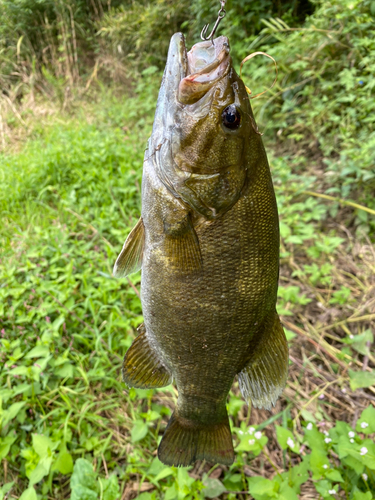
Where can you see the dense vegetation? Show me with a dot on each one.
(79, 85)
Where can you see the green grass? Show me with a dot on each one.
(69, 426)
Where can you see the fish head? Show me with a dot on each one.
(203, 126)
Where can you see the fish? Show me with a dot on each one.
(207, 243)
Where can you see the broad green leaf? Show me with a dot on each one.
(183, 478)
(213, 487)
(19, 389)
(19, 370)
(286, 439)
(286, 492)
(58, 322)
(91, 443)
(11, 412)
(299, 474)
(43, 445)
(344, 446)
(323, 487)
(63, 463)
(171, 493)
(39, 351)
(354, 464)
(167, 471)
(248, 442)
(156, 467)
(366, 423)
(83, 477)
(289, 335)
(5, 489)
(318, 459)
(66, 370)
(152, 415)
(233, 482)
(80, 492)
(360, 495)
(334, 475)
(139, 431)
(360, 342)
(361, 379)
(144, 496)
(111, 488)
(261, 488)
(314, 438)
(41, 470)
(29, 494)
(5, 444)
(365, 453)
(308, 416)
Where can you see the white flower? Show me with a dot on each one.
(240, 432)
(343, 390)
(364, 477)
(351, 434)
(363, 451)
(258, 435)
(351, 440)
(364, 425)
(351, 336)
(325, 433)
(251, 441)
(251, 430)
(325, 466)
(327, 440)
(309, 426)
(290, 442)
(332, 492)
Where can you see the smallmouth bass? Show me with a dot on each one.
(208, 245)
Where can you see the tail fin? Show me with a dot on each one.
(184, 442)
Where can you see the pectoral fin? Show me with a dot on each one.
(264, 378)
(142, 367)
(182, 245)
(130, 259)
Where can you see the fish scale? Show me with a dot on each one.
(208, 246)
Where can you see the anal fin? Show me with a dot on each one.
(142, 367)
(130, 259)
(264, 378)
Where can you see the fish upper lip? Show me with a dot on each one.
(206, 64)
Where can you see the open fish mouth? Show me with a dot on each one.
(207, 63)
(190, 75)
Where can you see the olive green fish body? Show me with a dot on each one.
(206, 324)
(208, 245)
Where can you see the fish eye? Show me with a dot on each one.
(231, 117)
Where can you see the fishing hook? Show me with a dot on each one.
(221, 15)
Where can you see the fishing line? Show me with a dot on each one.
(247, 59)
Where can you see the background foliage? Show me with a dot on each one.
(79, 84)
